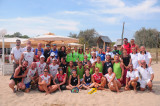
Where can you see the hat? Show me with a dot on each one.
(54, 45)
(115, 45)
(54, 59)
(47, 45)
(52, 54)
(42, 56)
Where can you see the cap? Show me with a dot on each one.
(54, 45)
(52, 54)
(47, 45)
(115, 45)
(42, 56)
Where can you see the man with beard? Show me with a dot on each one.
(18, 77)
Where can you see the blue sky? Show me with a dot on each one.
(36, 17)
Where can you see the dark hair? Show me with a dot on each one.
(18, 40)
(64, 48)
(47, 44)
(87, 69)
(79, 50)
(61, 68)
(126, 39)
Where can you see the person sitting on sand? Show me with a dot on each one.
(87, 80)
(147, 76)
(31, 76)
(113, 83)
(74, 80)
(133, 75)
(18, 77)
(98, 79)
(60, 79)
(44, 81)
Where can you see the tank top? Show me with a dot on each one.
(100, 66)
(88, 56)
(40, 67)
(81, 57)
(46, 79)
(53, 69)
(60, 77)
(88, 79)
(127, 47)
(30, 73)
(97, 78)
(69, 71)
(117, 70)
(19, 74)
(109, 77)
(74, 81)
(37, 51)
(75, 56)
(106, 66)
(90, 70)
(29, 56)
(69, 57)
(133, 46)
(80, 72)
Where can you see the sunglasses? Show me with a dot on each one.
(45, 71)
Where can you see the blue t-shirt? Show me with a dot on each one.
(56, 53)
(37, 51)
(102, 56)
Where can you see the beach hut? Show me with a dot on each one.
(118, 43)
(103, 41)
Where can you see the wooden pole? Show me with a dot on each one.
(157, 36)
(122, 33)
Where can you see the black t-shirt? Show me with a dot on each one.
(46, 54)
(61, 54)
(88, 79)
(126, 60)
(64, 66)
(106, 66)
(74, 81)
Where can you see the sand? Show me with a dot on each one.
(66, 98)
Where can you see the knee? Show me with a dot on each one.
(133, 83)
(149, 85)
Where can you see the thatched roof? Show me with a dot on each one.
(105, 39)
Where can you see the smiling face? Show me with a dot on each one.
(45, 72)
(96, 70)
(109, 70)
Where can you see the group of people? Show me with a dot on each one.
(51, 69)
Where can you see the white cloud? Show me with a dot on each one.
(76, 13)
(38, 25)
(140, 10)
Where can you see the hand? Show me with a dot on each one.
(121, 78)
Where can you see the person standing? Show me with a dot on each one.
(62, 53)
(75, 55)
(28, 56)
(134, 45)
(28, 44)
(69, 55)
(134, 58)
(16, 54)
(55, 50)
(88, 54)
(126, 46)
(108, 63)
(144, 55)
(39, 48)
(47, 52)
(101, 54)
(108, 52)
(81, 54)
(116, 51)
(99, 64)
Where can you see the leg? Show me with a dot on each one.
(150, 85)
(115, 85)
(103, 82)
(69, 87)
(92, 85)
(12, 84)
(85, 87)
(53, 88)
(143, 85)
(134, 84)
(119, 84)
(21, 86)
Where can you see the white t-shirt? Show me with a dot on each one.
(134, 58)
(29, 56)
(110, 53)
(25, 49)
(109, 77)
(40, 67)
(53, 69)
(145, 73)
(132, 75)
(46, 79)
(92, 61)
(30, 73)
(17, 52)
(145, 57)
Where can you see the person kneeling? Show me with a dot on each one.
(113, 83)
(74, 81)
(99, 80)
(134, 79)
(60, 80)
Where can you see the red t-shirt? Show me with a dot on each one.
(61, 77)
(133, 46)
(127, 47)
(97, 78)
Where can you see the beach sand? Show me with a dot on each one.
(66, 98)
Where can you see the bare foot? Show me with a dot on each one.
(47, 93)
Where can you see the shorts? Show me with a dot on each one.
(87, 84)
(28, 85)
(63, 87)
(41, 90)
(138, 86)
(143, 83)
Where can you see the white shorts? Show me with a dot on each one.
(143, 83)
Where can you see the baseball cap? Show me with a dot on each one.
(54, 45)
(52, 54)
(42, 56)
(115, 45)
(47, 45)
